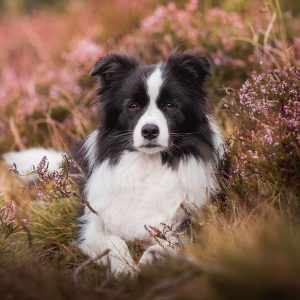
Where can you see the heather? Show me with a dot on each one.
(266, 110)
(244, 244)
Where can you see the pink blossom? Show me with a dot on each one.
(8, 213)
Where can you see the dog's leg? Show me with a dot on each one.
(155, 251)
(94, 240)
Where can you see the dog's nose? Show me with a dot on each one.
(150, 131)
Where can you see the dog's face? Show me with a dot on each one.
(153, 108)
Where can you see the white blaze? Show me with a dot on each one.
(153, 115)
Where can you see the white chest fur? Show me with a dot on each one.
(140, 191)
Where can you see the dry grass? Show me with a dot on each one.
(244, 244)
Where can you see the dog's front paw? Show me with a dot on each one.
(152, 254)
(119, 268)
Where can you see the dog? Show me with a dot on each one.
(152, 157)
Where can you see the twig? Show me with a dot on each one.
(28, 233)
(169, 283)
(86, 263)
(108, 276)
(196, 268)
(15, 133)
(193, 263)
(85, 202)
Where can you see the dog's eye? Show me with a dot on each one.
(133, 106)
(168, 106)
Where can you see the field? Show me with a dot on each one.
(244, 243)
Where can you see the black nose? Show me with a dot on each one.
(150, 131)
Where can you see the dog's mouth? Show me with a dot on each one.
(151, 148)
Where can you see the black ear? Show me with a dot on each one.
(113, 66)
(190, 63)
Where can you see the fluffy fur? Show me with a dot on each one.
(154, 151)
(25, 160)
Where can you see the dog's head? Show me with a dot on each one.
(154, 108)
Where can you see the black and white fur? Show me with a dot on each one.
(155, 150)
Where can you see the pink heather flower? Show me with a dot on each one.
(84, 50)
(268, 115)
(154, 20)
(8, 213)
(88, 47)
(192, 5)
(171, 7)
(25, 223)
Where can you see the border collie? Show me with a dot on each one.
(152, 157)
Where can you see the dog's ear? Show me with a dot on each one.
(113, 66)
(191, 64)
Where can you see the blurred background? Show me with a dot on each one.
(245, 242)
(48, 48)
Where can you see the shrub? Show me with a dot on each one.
(267, 112)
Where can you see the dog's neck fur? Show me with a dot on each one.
(142, 191)
(141, 185)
